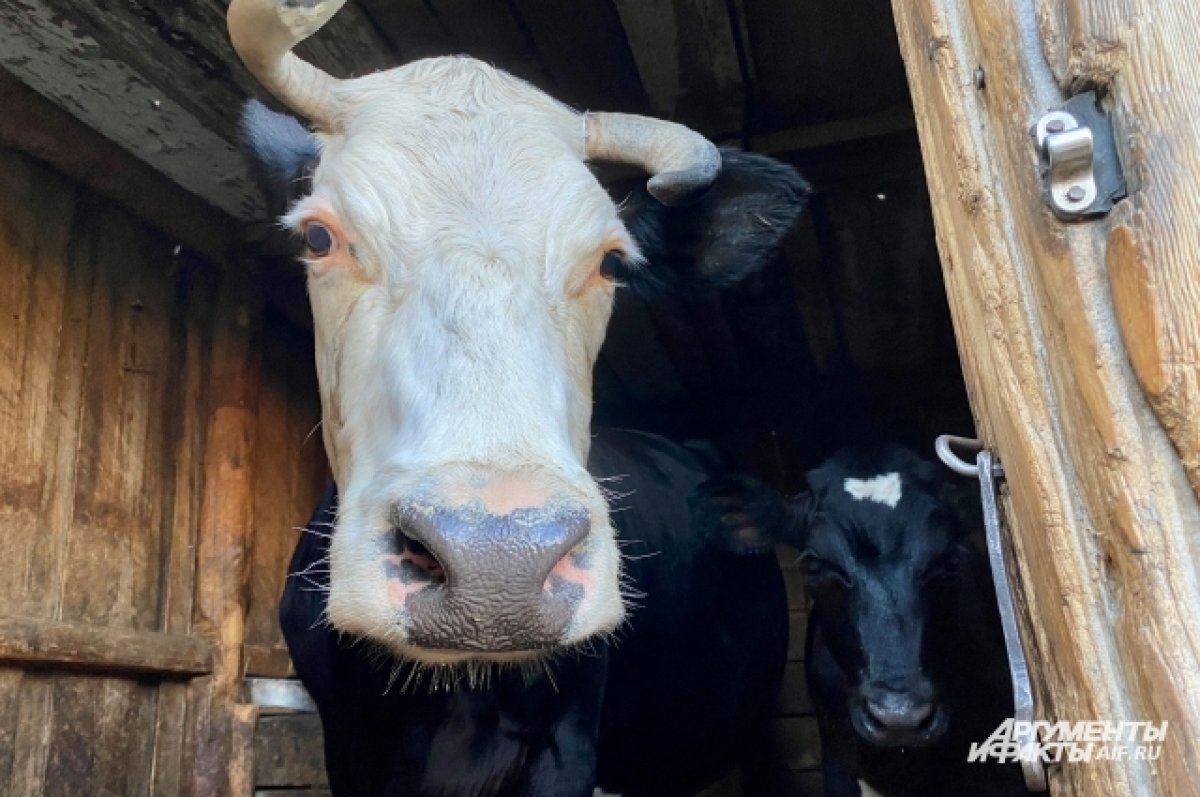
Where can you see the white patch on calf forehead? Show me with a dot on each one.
(886, 488)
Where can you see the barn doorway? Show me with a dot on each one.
(845, 336)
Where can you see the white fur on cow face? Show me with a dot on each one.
(886, 489)
(462, 332)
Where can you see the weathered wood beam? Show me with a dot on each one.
(160, 80)
(32, 124)
(102, 649)
(884, 123)
(1154, 243)
(490, 31)
(226, 528)
(411, 28)
(688, 61)
(1102, 515)
(584, 50)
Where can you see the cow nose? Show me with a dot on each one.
(898, 717)
(899, 711)
(498, 582)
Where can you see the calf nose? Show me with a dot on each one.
(894, 717)
(495, 586)
(899, 711)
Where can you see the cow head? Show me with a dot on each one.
(462, 261)
(889, 566)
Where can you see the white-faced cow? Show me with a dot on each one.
(462, 262)
(904, 657)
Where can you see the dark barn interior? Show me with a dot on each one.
(846, 336)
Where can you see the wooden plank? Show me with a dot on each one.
(290, 473)
(687, 58)
(1099, 502)
(289, 751)
(874, 125)
(267, 660)
(29, 734)
(798, 739)
(1151, 258)
(170, 753)
(226, 523)
(33, 124)
(160, 80)
(100, 649)
(411, 28)
(491, 31)
(816, 63)
(42, 356)
(116, 540)
(101, 735)
(793, 693)
(653, 39)
(607, 79)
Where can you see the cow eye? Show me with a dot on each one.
(614, 267)
(318, 239)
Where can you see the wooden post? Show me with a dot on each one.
(1080, 345)
(225, 532)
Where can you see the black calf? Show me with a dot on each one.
(904, 656)
(680, 698)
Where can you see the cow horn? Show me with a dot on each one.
(681, 160)
(264, 32)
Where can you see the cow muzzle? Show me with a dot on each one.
(898, 717)
(466, 579)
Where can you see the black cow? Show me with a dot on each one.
(666, 707)
(904, 656)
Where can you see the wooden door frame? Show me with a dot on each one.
(1079, 345)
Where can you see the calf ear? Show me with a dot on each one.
(282, 155)
(800, 511)
(720, 236)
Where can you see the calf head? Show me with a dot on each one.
(886, 553)
(462, 261)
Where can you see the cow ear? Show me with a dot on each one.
(719, 237)
(282, 155)
(800, 513)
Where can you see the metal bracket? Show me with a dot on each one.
(278, 693)
(988, 470)
(1080, 168)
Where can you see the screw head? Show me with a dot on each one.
(1076, 193)
(1055, 126)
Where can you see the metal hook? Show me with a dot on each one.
(988, 470)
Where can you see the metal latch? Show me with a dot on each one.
(278, 693)
(1080, 167)
(988, 470)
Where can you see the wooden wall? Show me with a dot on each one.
(115, 362)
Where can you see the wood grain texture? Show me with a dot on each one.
(686, 55)
(100, 649)
(1099, 502)
(583, 48)
(160, 80)
(226, 528)
(288, 751)
(289, 474)
(1131, 49)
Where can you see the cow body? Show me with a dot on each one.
(904, 657)
(668, 706)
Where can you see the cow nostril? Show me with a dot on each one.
(414, 555)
